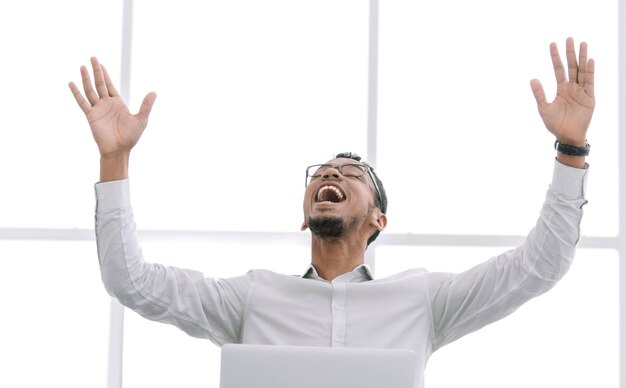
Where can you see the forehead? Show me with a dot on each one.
(339, 161)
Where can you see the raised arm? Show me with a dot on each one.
(115, 130)
(465, 302)
(568, 116)
(202, 307)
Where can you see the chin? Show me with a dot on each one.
(327, 226)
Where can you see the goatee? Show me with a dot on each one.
(327, 227)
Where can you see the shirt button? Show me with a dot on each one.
(339, 338)
(337, 307)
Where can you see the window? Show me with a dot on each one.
(244, 84)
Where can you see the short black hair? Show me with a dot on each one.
(381, 202)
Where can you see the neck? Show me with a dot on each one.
(333, 257)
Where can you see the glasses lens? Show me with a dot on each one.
(352, 170)
(318, 169)
(315, 171)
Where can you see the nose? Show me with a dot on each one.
(331, 172)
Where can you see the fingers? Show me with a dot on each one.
(572, 65)
(102, 81)
(559, 71)
(146, 105)
(89, 92)
(82, 103)
(582, 64)
(110, 87)
(579, 70)
(104, 88)
(589, 78)
(98, 76)
(539, 93)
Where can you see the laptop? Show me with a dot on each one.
(277, 366)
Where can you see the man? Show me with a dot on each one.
(337, 302)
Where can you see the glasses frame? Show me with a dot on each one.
(366, 169)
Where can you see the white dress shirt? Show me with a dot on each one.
(415, 309)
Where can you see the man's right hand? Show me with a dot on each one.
(114, 128)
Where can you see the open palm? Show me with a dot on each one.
(113, 127)
(569, 114)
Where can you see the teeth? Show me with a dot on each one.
(333, 188)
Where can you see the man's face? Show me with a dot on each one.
(334, 203)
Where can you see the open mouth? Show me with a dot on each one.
(330, 194)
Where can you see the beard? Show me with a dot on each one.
(327, 227)
(333, 227)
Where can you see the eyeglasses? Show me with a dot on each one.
(349, 170)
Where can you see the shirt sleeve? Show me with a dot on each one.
(465, 302)
(202, 307)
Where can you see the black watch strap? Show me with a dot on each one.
(572, 150)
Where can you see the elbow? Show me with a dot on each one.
(124, 280)
(549, 267)
(119, 287)
(548, 259)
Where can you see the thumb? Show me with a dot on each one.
(538, 92)
(146, 105)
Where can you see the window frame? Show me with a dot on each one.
(117, 312)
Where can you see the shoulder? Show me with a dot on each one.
(415, 273)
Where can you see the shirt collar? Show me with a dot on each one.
(360, 274)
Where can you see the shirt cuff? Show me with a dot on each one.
(112, 195)
(569, 181)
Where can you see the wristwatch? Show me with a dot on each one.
(572, 150)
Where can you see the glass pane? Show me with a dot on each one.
(566, 337)
(462, 149)
(55, 318)
(49, 158)
(177, 359)
(242, 83)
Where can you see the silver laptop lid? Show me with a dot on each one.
(269, 366)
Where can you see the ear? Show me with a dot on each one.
(379, 220)
(304, 226)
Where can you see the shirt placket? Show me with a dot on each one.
(338, 314)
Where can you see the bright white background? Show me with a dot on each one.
(250, 92)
